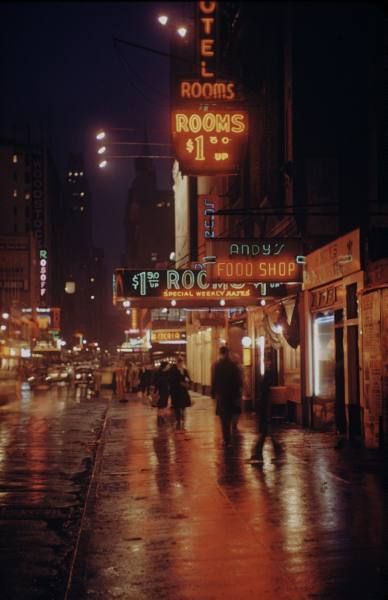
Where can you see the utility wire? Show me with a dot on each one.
(132, 72)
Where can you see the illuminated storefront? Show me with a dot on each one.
(332, 392)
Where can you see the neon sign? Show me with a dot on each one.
(43, 273)
(153, 288)
(168, 335)
(207, 86)
(208, 225)
(271, 260)
(209, 141)
(219, 90)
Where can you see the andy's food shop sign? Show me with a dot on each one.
(271, 260)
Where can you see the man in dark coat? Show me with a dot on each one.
(263, 415)
(226, 389)
(179, 385)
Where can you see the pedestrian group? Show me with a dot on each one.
(226, 389)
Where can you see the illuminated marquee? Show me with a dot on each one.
(209, 141)
(271, 260)
(154, 288)
(167, 335)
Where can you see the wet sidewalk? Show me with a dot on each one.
(173, 515)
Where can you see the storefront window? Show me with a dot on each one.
(324, 356)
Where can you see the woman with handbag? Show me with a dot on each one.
(179, 387)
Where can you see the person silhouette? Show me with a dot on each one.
(226, 389)
(263, 417)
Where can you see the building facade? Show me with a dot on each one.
(313, 171)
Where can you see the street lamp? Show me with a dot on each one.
(180, 28)
(163, 19)
(182, 31)
(107, 150)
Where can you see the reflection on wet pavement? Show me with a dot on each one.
(47, 446)
(177, 516)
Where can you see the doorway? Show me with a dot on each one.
(340, 413)
(354, 387)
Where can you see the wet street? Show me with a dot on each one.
(48, 441)
(173, 515)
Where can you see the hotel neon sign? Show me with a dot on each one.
(209, 131)
(209, 141)
(207, 86)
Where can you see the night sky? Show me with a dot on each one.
(60, 73)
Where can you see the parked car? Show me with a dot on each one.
(84, 376)
(58, 373)
(37, 377)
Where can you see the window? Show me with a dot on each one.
(15, 194)
(27, 196)
(15, 158)
(324, 355)
(351, 301)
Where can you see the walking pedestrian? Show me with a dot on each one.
(128, 377)
(179, 388)
(263, 416)
(226, 389)
(236, 358)
(162, 387)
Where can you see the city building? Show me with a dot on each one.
(29, 254)
(313, 173)
(30, 192)
(84, 297)
(148, 212)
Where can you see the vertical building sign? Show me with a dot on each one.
(207, 41)
(208, 225)
(43, 274)
(209, 130)
(38, 217)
